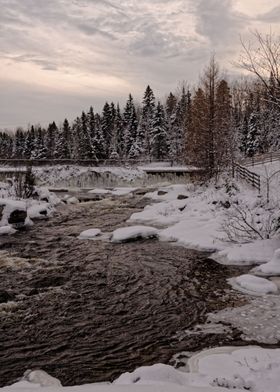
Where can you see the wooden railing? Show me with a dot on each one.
(250, 177)
(261, 159)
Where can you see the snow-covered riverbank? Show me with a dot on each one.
(216, 370)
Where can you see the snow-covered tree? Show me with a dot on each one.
(158, 140)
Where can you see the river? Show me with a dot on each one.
(86, 311)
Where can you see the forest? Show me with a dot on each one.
(209, 125)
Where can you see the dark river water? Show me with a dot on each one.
(87, 311)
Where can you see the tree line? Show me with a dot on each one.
(209, 125)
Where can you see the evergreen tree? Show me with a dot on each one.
(19, 143)
(99, 144)
(159, 135)
(107, 127)
(40, 150)
(29, 147)
(146, 124)
(50, 140)
(130, 124)
(62, 148)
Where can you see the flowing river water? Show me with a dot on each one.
(86, 311)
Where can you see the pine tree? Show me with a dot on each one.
(62, 148)
(99, 144)
(158, 139)
(107, 127)
(146, 123)
(29, 143)
(130, 124)
(50, 140)
(40, 150)
(19, 143)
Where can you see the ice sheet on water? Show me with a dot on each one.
(258, 321)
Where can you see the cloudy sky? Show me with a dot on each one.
(58, 57)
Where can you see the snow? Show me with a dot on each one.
(7, 230)
(250, 368)
(218, 369)
(253, 285)
(256, 252)
(72, 200)
(89, 234)
(272, 267)
(39, 211)
(120, 191)
(134, 232)
(100, 191)
(258, 321)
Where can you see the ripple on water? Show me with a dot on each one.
(99, 307)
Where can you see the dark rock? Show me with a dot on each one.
(162, 193)
(182, 197)
(225, 204)
(17, 218)
(5, 296)
(1, 211)
(214, 202)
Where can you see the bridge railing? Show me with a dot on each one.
(86, 162)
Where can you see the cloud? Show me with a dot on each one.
(272, 16)
(105, 49)
(218, 21)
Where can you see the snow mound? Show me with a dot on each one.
(257, 252)
(254, 285)
(89, 234)
(272, 267)
(134, 232)
(121, 191)
(100, 191)
(72, 200)
(39, 211)
(42, 378)
(4, 230)
(250, 368)
(156, 374)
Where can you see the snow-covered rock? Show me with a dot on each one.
(272, 267)
(41, 378)
(39, 211)
(134, 232)
(89, 234)
(256, 252)
(254, 285)
(4, 230)
(157, 374)
(72, 200)
(12, 212)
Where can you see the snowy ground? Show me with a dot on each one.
(216, 370)
(198, 217)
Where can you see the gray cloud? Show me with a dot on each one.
(272, 16)
(217, 21)
(133, 42)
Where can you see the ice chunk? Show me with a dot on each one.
(272, 267)
(134, 232)
(255, 285)
(90, 233)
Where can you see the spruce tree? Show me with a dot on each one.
(158, 139)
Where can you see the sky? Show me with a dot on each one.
(59, 57)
